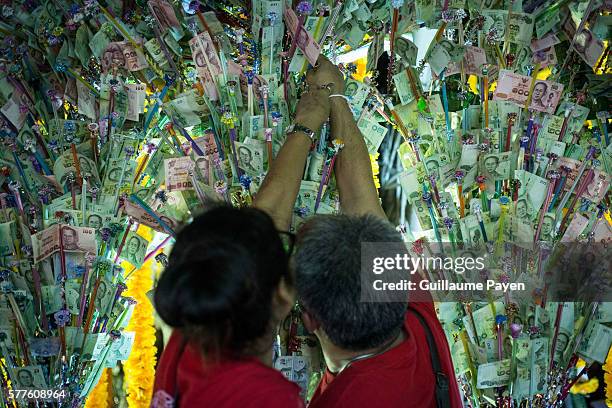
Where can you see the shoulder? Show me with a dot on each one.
(360, 388)
(264, 386)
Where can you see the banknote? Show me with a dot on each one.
(134, 57)
(65, 166)
(545, 57)
(28, 378)
(204, 169)
(363, 13)
(495, 23)
(136, 94)
(356, 91)
(532, 193)
(299, 59)
(208, 145)
(421, 210)
(255, 127)
(596, 344)
(271, 40)
(586, 44)
(12, 109)
(100, 40)
(439, 58)
(73, 295)
(472, 235)
(546, 42)
(315, 166)
(177, 170)
(164, 14)
(515, 88)
(545, 96)
(492, 375)
(303, 39)
(155, 51)
(123, 54)
(118, 171)
(207, 62)
(306, 197)
(402, 85)
(295, 369)
(78, 239)
(546, 21)
(120, 105)
(604, 313)
(135, 249)
(512, 87)
(143, 217)
(7, 238)
(271, 6)
(81, 49)
(575, 228)
(45, 243)
(406, 50)
(473, 59)
(551, 127)
(375, 50)
(549, 145)
(531, 366)
(496, 166)
(251, 157)
(86, 101)
(120, 349)
(520, 26)
(51, 298)
(578, 116)
(216, 30)
(187, 109)
(425, 11)
(409, 181)
(484, 318)
(372, 132)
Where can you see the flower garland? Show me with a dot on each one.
(5, 382)
(375, 169)
(139, 368)
(585, 385)
(608, 378)
(100, 397)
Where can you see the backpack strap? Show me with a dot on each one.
(442, 383)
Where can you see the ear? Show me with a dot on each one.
(283, 299)
(310, 322)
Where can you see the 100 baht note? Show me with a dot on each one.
(492, 375)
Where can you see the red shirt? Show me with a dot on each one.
(400, 377)
(244, 383)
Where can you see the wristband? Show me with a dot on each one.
(296, 127)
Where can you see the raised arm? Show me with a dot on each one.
(353, 168)
(279, 189)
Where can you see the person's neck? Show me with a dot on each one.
(263, 350)
(337, 358)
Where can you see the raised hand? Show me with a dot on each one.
(326, 74)
(313, 108)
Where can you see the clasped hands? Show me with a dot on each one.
(322, 80)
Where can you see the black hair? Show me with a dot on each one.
(328, 265)
(217, 288)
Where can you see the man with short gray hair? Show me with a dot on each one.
(385, 354)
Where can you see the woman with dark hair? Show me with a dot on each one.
(225, 289)
(228, 285)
